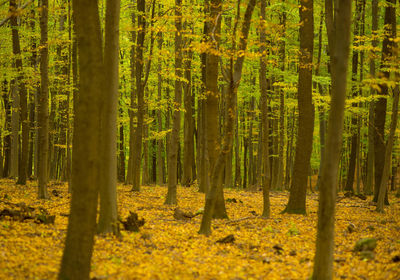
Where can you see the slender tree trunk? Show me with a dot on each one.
(43, 104)
(298, 189)
(7, 138)
(264, 114)
(369, 186)
(137, 151)
(15, 119)
(234, 81)
(160, 141)
(132, 115)
(121, 144)
(23, 100)
(391, 59)
(339, 46)
(355, 137)
(108, 219)
(380, 105)
(321, 113)
(86, 157)
(188, 153)
(176, 123)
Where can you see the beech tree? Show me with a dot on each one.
(297, 198)
(338, 26)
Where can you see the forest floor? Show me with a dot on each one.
(281, 247)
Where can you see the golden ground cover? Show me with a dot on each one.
(281, 247)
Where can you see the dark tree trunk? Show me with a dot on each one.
(298, 189)
(43, 110)
(86, 157)
(338, 29)
(380, 105)
(176, 123)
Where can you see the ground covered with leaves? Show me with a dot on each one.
(169, 247)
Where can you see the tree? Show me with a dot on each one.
(390, 61)
(137, 144)
(298, 189)
(264, 86)
(371, 129)
(338, 28)
(381, 103)
(234, 81)
(176, 122)
(86, 154)
(108, 219)
(43, 105)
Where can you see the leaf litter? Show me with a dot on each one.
(169, 247)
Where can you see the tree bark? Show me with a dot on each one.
(264, 114)
(86, 145)
(108, 219)
(390, 60)
(338, 28)
(298, 189)
(176, 122)
(137, 146)
(234, 81)
(380, 105)
(43, 109)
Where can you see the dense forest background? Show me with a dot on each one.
(158, 78)
(215, 94)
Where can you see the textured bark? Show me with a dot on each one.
(339, 46)
(86, 145)
(298, 189)
(43, 109)
(108, 219)
(176, 122)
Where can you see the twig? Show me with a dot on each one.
(11, 15)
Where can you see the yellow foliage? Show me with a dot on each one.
(166, 248)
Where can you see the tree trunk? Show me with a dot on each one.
(380, 105)
(188, 152)
(108, 219)
(15, 118)
(23, 101)
(298, 189)
(160, 141)
(86, 157)
(176, 122)
(355, 137)
(264, 114)
(129, 179)
(391, 59)
(339, 46)
(369, 186)
(43, 105)
(137, 147)
(234, 81)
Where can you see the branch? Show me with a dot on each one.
(4, 21)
